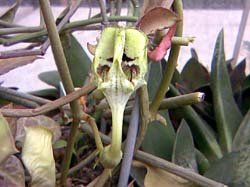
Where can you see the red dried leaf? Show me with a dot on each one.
(160, 51)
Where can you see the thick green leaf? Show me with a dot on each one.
(138, 173)
(194, 75)
(232, 169)
(203, 135)
(10, 13)
(12, 173)
(60, 144)
(202, 162)
(237, 76)
(51, 78)
(246, 83)
(227, 114)
(184, 150)
(7, 147)
(158, 140)
(158, 134)
(242, 136)
(49, 93)
(37, 156)
(155, 76)
(245, 101)
(77, 59)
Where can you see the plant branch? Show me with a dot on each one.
(81, 164)
(49, 106)
(15, 30)
(171, 64)
(21, 95)
(118, 7)
(167, 103)
(69, 26)
(175, 169)
(65, 19)
(144, 115)
(103, 8)
(165, 165)
(130, 144)
(66, 80)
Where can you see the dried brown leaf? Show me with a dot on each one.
(37, 156)
(37, 121)
(149, 4)
(161, 178)
(11, 63)
(91, 48)
(7, 147)
(10, 13)
(12, 173)
(157, 19)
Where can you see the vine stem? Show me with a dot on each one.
(63, 70)
(171, 64)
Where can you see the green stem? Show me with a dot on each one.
(117, 120)
(103, 11)
(15, 30)
(144, 115)
(69, 26)
(118, 7)
(171, 64)
(66, 80)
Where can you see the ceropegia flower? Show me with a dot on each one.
(119, 66)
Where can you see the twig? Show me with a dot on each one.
(49, 106)
(129, 145)
(18, 100)
(144, 116)
(103, 178)
(62, 23)
(165, 165)
(8, 24)
(8, 91)
(103, 8)
(171, 65)
(15, 30)
(73, 25)
(240, 34)
(118, 7)
(177, 170)
(136, 5)
(167, 103)
(66, 80)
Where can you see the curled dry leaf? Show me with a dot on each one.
(37, 121)
(149, 4)
(11, 63)
(7, 147)
(37, 156)
(91, 48)
(157, 18)
(12, 173)
(10, 13)
(160, 178)
(160, 51)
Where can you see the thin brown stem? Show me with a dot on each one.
(49, 106)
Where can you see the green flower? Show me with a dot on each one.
(119, 66)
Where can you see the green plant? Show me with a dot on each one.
(206, 138)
